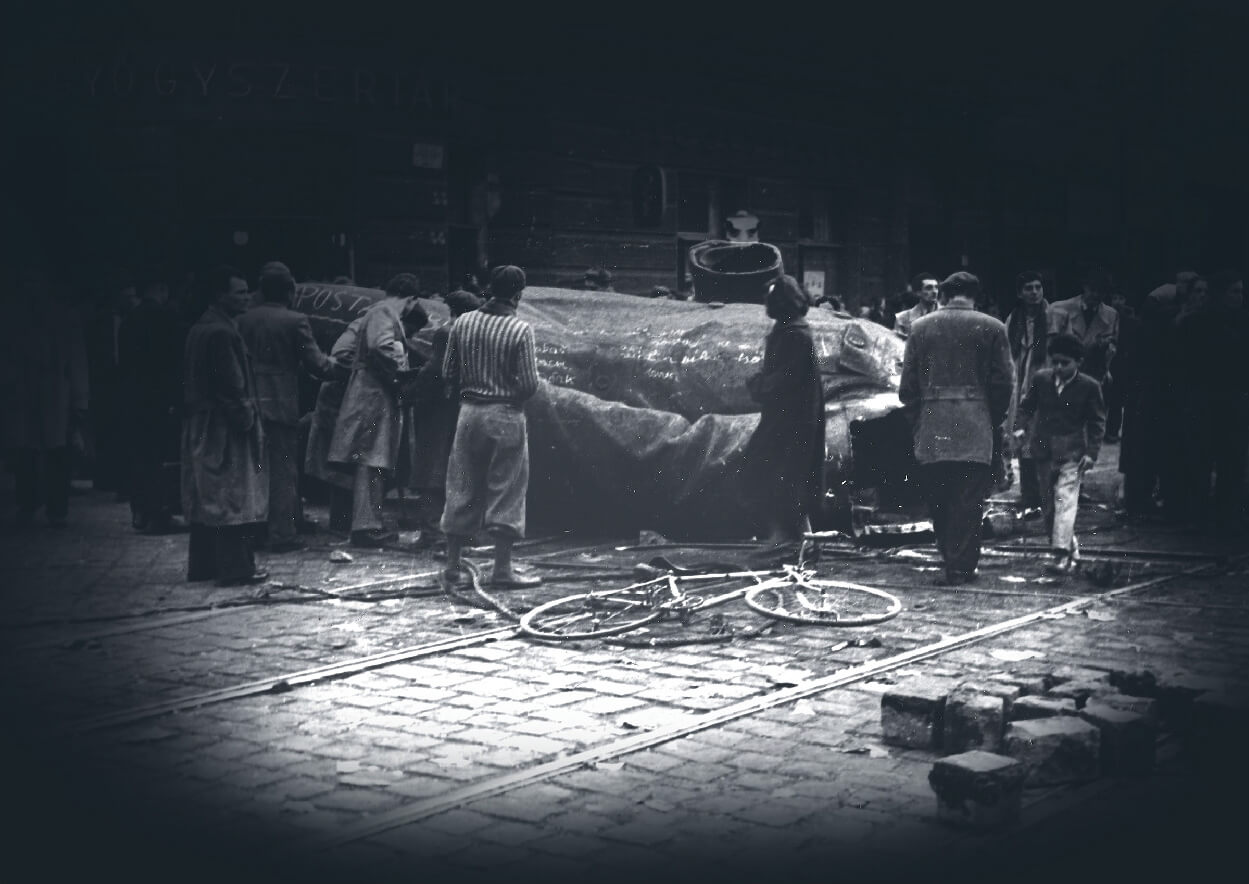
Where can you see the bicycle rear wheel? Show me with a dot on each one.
(591, 615)
(823, 603)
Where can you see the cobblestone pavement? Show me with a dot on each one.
(421, 768)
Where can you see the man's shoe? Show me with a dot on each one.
(285, 546)
(1031, 514)
(373, 538)
(956, 578)
(254, 577)
(1061, 566)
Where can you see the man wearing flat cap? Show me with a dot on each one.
(491, 360)
(281, 344)
(956, 387)
(370, 422)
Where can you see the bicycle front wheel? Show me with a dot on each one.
(823, 603)
(590, 615)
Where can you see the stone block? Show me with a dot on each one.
(1135, 683)
(1176, 694)
(973, 721)
(1065, 674)
(978, 790)
(1078, 691)
(1146, 706)
(1127, 739)
(912, 713)
(1029, 683)
(1059, 749)
(1027, 708)
(1008, 693)
(1216, 738)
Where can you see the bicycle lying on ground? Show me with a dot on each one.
(791, 593)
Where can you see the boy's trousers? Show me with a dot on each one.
(1060, 498)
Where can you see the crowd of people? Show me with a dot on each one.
(193, 409)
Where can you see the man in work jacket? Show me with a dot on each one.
(1094, 322)
(370, 423)
(225, 488)
(956, 386)
(925, 287)
(280, 343)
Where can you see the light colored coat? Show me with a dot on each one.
(956, 382)
(1068, 316)
(370, 421)
(43, 375)
(325, 415)
(905, 319)
(280, 343)
(223, 480)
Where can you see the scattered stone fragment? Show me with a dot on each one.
(912, 712)
(1028, 708)
(341, 557)
(1127, 739)
(972, 721)
(1028, 683)
(978, 790)
(1059, 749)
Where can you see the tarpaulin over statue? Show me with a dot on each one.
(644, 415)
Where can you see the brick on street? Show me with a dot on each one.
(98, 620)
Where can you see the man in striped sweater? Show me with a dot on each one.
(492, 367)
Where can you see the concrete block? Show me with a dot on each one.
(973, 721)
(1027, 708)
(1127, 739)
(912, 713)
(1059, 749)
(978, 790)
(1008, 693)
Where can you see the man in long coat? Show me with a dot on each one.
(280, 343)
(225, 488)
(1027, 330)
(43, 395)
(786, 451)
(370, 423)
(956, 384)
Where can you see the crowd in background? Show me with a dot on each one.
(103, 392)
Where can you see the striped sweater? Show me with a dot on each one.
(490, 358)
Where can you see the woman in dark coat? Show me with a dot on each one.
(785, 456)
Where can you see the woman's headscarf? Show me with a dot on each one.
(786, 300)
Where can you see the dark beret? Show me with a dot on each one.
(1065, 344)
(961, 284)
(506, 281)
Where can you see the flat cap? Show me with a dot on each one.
(506, 281)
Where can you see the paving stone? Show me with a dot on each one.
(1127, 739)
(1078, 691)
(1146, 706)
(972, 720)
(1061, 749)
(912, 713)
(978, 790)
(1041, 707)
(1008, 693)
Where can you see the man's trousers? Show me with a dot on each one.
(956, 492)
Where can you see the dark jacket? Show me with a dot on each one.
(1065, 426)
(223, 482)
(956, 384)
(280, 342)
(786, 452)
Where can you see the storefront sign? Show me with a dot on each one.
(238, 80)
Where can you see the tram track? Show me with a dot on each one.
(861, 672)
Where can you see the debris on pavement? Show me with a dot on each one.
(1011, 655)
(341, 557)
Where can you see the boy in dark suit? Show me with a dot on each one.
(1068, 421)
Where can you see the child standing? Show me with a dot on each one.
(1068, 421)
